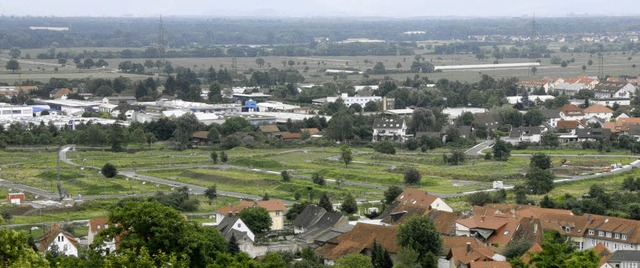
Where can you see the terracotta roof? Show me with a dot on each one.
(576, 225)
(50, 236)
(535, 248)
(200, 135)
(463, 255)
(411, 202)
(269, 205)
(567, 124)
(449, 242)
(95, 225)
(444, 221)
(570, 109)
(597, 108)
(312, 131)
(601, 250)
(359, 238)
(268, 128)
(622, 125)
(490, 264)
(291, 135)
(613, 225)
(272, 205)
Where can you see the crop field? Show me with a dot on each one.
(613, 64)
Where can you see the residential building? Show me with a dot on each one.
(275, 207)
(391, 129)
(97, 225)
(360, 241)
(599, 111)
(624, 259)
(59, 240)
(412, 202)
(618, 90)
(233, 226)
(593, 134)
(325, 223)
(571, 112)
(59, 93)
(308, 217)
(464, 257)
(525, 134)
(269, 130)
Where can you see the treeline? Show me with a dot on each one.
(189, 32)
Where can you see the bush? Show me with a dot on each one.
(109, 170)
(412, 176)
(384, 147)
(318, 179)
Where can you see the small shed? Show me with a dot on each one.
(15, 198)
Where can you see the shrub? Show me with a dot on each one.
(109, 170)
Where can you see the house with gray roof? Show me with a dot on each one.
(624, 258)
(307, 218)
(391, 129)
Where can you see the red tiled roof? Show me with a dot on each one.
(204, 135)
(490, 264)
(597, 108)
(291, 135)
(359, 238)
(268, 128)
(95, 225)
(269, 205)
(312, 131)
(567, 124)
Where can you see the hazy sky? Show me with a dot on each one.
(309, 8)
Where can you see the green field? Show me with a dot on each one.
(614, 64)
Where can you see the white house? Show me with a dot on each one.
(599, 111)
(361, 100)
(64, 242)
(391, 129)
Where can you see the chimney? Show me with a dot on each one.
(468, 247)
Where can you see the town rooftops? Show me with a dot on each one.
(570, 110)
(624, 256)
(567, 124)
(490, 264)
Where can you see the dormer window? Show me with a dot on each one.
(567, 229)
(617, 236)
(624, 237)
(600, 233)
(591, 232)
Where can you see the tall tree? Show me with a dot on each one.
(391, 193)
(345, 154)
(325, 202)
(380, 257)
(185, 126)
(232, 247)
(257, 219)
(349, 205)
(211, 193)
(13, 65)
(501, 150)
(539, 181)
(541, 161)
(420, 234)
(117, 137)
(17, 252)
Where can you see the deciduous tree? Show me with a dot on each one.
(257, 219)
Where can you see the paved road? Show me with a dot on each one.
(29, 189)
(477, 150)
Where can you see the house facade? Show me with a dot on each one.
(97, 225)
(391, 129)
(60, 241)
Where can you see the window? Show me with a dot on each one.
(591, 232)
(600, 233)
(617, 236)
(567, 229)
(624, 237)
(65, 247)
(609, 234)
(239, 225)
(278, 212)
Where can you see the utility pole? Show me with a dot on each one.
(161, 42)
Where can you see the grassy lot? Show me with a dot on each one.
(572, 151)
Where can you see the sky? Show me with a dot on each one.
(319, 8)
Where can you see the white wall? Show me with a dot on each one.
(64, 245)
